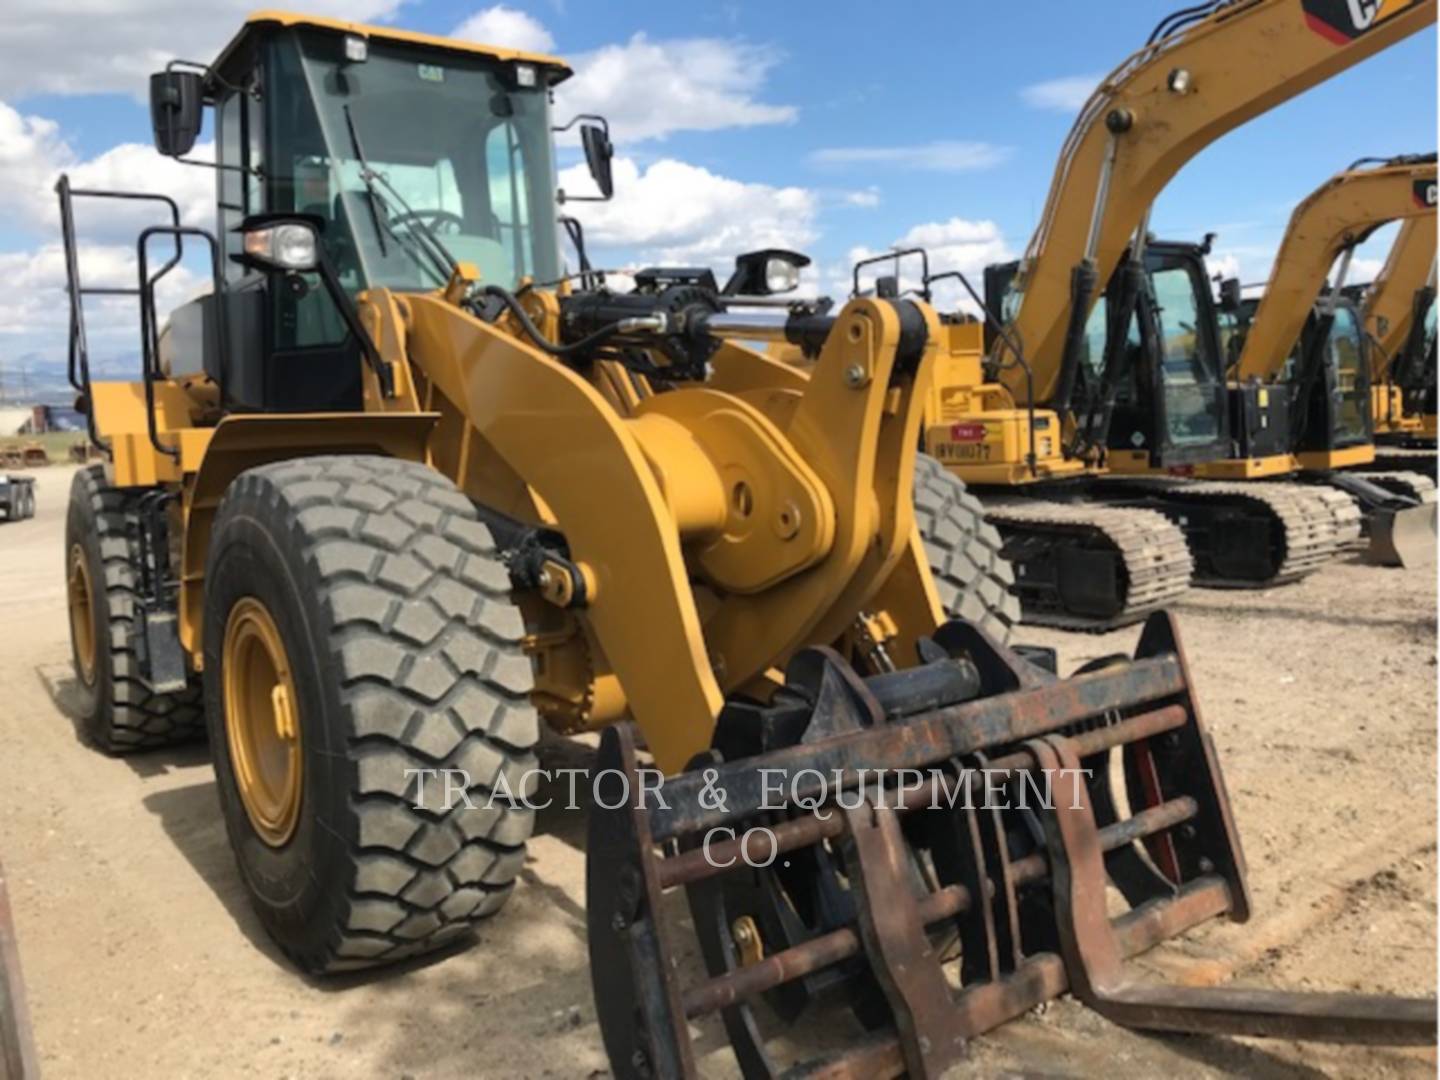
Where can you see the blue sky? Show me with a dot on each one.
(796, 141)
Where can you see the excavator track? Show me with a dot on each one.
(1316, 524)
(1155, 564)
(1410, 459)
(1408, 484)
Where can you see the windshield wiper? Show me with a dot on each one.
(426, 242)
(364, 175)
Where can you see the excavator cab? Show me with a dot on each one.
(1175, 411)
(1164, 400)
(1331, 380)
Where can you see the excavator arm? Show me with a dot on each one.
(1205, 70)
(1332, 220)
(1390, 305)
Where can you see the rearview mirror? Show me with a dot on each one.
(598, 156)
(176, 98)
(1230, 294)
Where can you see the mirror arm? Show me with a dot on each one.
(593, 117)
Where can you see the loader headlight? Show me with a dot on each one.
(781, 276)
(767, 272)
(286, 245)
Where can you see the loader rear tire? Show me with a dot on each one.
(119, 713)
(973, 578)
(363, 600)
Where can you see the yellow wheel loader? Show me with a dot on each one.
(1020, 422)
(400, 489)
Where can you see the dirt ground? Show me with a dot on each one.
(142, 958)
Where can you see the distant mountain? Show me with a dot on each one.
(35, 379)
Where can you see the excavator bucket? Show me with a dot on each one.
(1403, 537)
(937, 851)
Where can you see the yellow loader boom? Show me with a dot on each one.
(1326, 225)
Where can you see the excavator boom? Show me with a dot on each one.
(1332, 220)
(1204, 72)
(1390, 307)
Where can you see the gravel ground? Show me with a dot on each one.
(142, 958)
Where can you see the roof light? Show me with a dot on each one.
(525, 75)
(356, 49)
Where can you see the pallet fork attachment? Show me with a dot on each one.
(935, 918)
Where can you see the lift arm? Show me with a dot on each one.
(1205, 71)
(1390, 304)
(1336, 217)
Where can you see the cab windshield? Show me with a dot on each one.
(411, 146)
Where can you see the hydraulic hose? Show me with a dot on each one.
(589, 341)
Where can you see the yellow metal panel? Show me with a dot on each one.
(122, 418)
(776, 518)
(991, 445)
(1337, 459)
(1248, 468)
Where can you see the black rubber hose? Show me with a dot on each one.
(532, 331)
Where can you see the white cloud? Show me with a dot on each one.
(1363, 270)
(35, 313)
(33, 308)
(31, 151)
(866, 198)
(1226, 264)
(956, 244)
(500, 25)
(1061, 95)
(648, 89)
(940, 156)
(681, 214)
(33, 154)
(112, 46)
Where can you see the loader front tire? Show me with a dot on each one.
(972, 576)
(359, 631)
(119, 713)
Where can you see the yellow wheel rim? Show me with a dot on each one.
(262, 724)
(81, 594)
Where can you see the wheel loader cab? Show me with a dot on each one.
(401, 158)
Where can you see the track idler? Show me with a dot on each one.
(929, 850)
